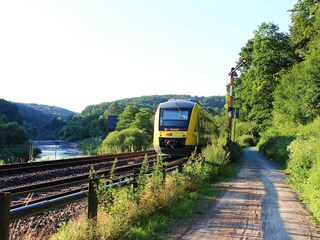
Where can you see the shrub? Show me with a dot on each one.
(274, 142)
(131, 139)
(304, 165)
(303, 152)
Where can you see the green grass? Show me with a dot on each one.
(156, 206)
(162, 222)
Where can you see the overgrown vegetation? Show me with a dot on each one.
(279, 96)
(145, 212)
(304, 165)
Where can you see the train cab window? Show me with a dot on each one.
(174, 119)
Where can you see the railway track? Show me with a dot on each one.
(11, 169)
(43, 182)
(22, 174)
(40, 181)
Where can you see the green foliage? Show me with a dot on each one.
(9, 112)
(142, 178)
(304, 151)
(134, 131)
(144, 120)
(279, 95)
(210, 165)
(14, 145)
(246, 133)
(90, 145)
(73, 131)
(304, 165)
(12, 134)
(133, 117)
(43, 121)
(270, 53)
(150, 102)
(304, 16)
(125, 140)
(234, 151)
(127, 117)
(297, 98)
(275, 140)
(133, 113)
(157, 180)
(113, 109)
(15, 154)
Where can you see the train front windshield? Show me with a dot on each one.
(174, 119)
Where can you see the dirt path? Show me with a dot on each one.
(256, 204)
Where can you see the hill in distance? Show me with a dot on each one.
(153, 101)
(43, 121)
(27, 109)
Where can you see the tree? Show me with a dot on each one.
(10, 112)
(127, 117)
(271, 54)
(12, 134)
(297, 98)
(303, 18)
(125, 140)
(73, 131)
(113, 109)
(144, 121)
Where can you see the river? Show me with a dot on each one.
(56, 149)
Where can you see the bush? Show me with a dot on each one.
(246, 133)
(274, 142)
(15, 154)
(304, 165)
(303, 153)
(131, 139)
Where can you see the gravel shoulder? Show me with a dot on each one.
(256, 204)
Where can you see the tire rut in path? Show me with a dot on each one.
(256, 204)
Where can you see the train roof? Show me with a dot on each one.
(172, 103)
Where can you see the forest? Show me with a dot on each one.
(278, 92)
(20, 123)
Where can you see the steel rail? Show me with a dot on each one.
(126, 174)
(71, 180)
(27, 167)
(46, 204)
(120, 174)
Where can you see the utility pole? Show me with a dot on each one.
(232, 74)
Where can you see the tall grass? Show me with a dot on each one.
(145, 212)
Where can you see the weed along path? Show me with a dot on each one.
(256, 204)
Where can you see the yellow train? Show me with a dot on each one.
(180, 126)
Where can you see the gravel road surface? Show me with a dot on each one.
(256, 204)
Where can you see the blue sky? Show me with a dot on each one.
(72, 54)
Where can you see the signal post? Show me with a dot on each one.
(232, 74)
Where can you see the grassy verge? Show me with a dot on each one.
(148, 212)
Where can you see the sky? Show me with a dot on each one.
(75, 53)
